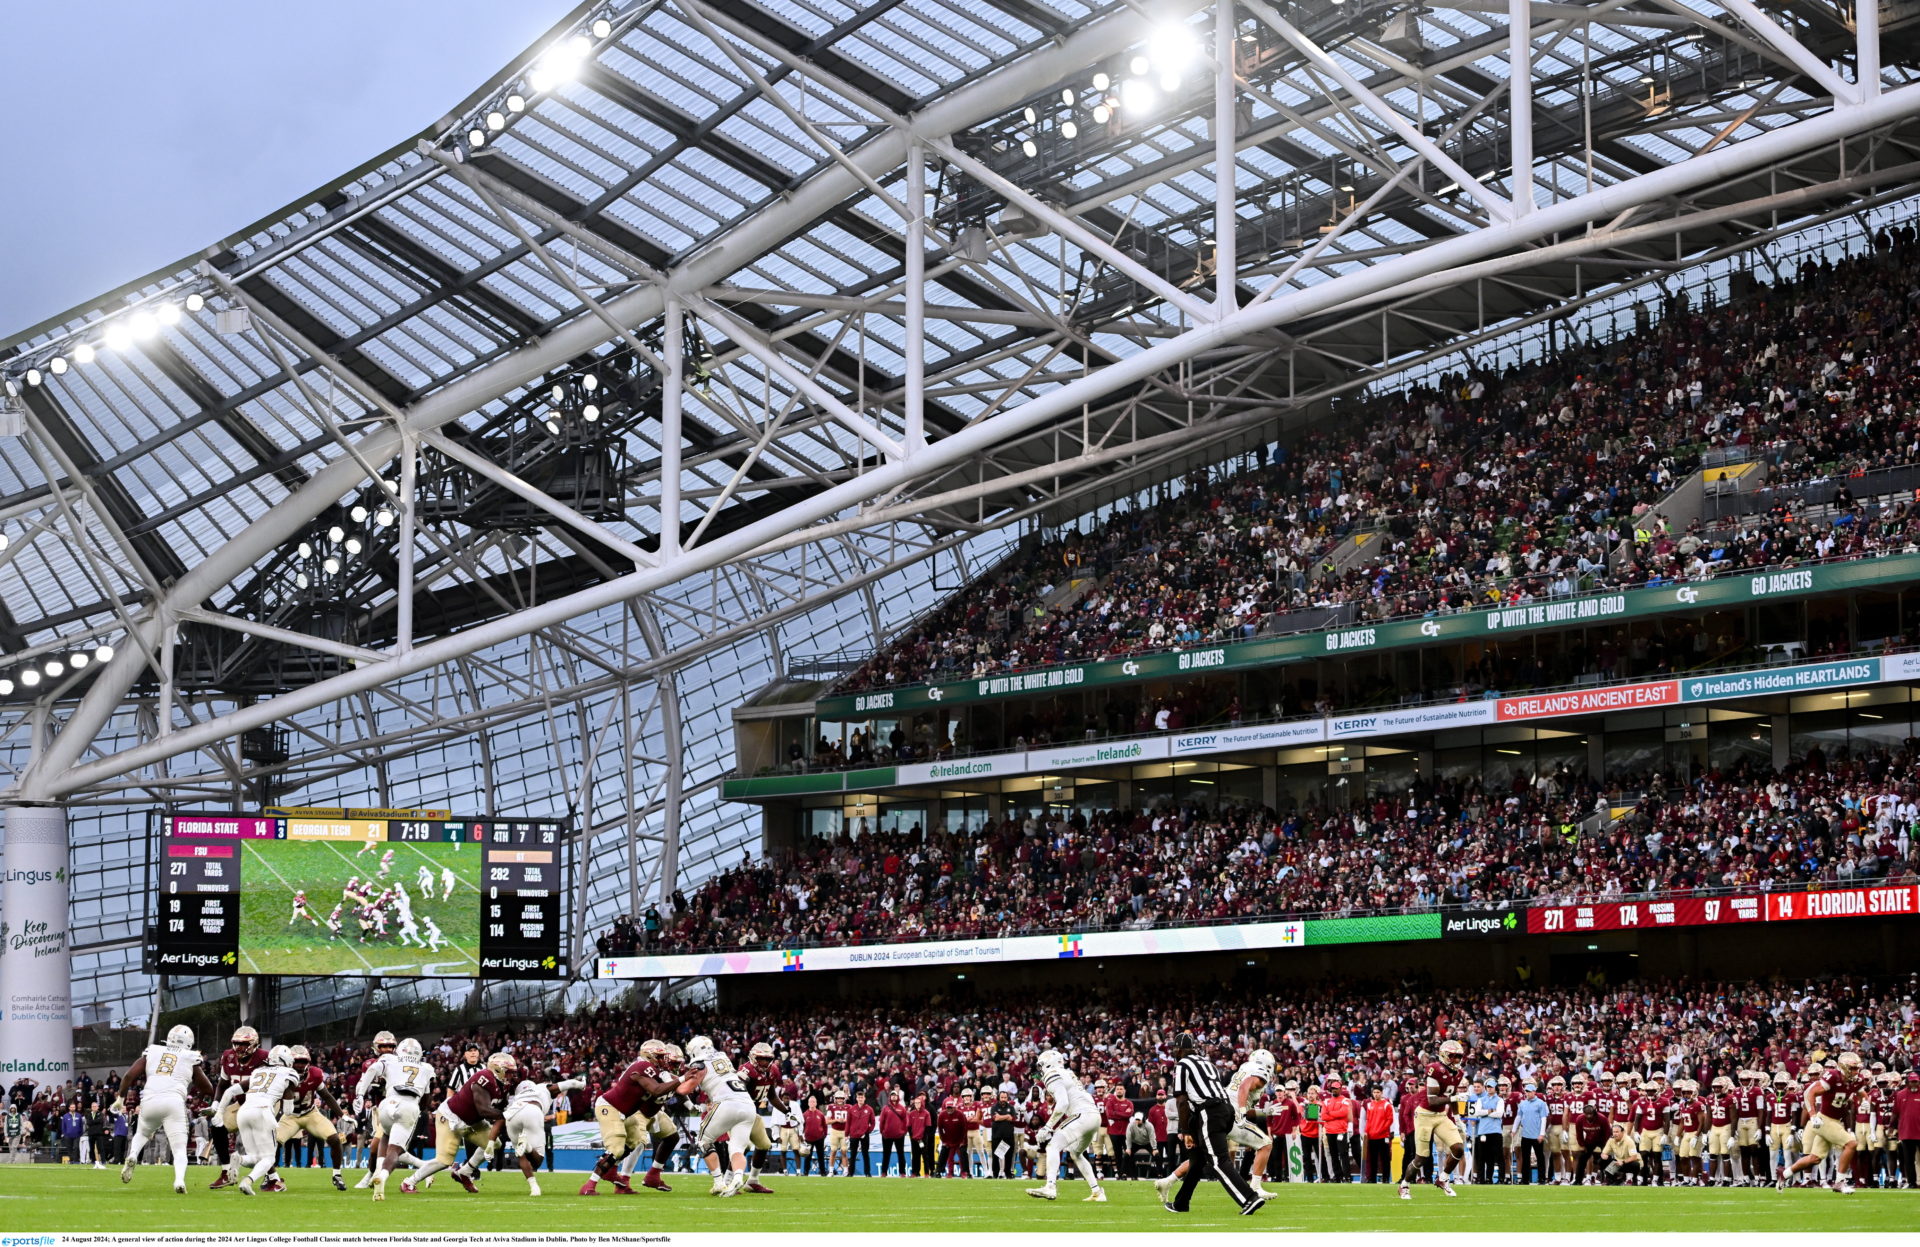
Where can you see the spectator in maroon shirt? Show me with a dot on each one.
(859, 1127)
(920, 1137)
(894, 1124)
(813, 1128)
(1157, 1118)
(953, 1139)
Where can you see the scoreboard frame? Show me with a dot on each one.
(526, 866)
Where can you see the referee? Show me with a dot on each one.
(1206, 1115)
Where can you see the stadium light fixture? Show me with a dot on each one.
(589, 413)
(6, 686)
(516, 103)
(143, 325)
(78, 660)
(196, 301)
(167, 314)
(553, 427)
(1101, 82)
(476, 137)
(1170, 47)
(1101, 114)
(359, 514)
(57, 366)
(118, 337)
(330, 565)
(30, 678)
(335, 533)
(83, 354)
(33, 376)
(353, 545)
(1029, 147)
(383, 517)
(5, 541)
(590, 383)
(1137, 96)
(55, 668)
(103, 653)
(1066, 96)
(1068, 130)
(560, 64)
(602, 28)
(305, 551)
(300, 580)
(1139, 64)
(496, 121)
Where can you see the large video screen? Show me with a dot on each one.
(357, 892)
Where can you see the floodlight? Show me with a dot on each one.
(167, 314)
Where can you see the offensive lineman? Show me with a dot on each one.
(1434, 1123)
(467, 1117)
(403, 1073)
(171, 1072)
(1070, 1128)
(763, 1079)
(240, 1059)
(730, 1112)
(626, 1113)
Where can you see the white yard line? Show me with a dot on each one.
(283, 879)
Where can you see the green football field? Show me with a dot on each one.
(47, 1198)
(272, 870)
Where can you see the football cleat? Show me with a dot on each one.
(126, 1171)
(1405, 1193)
(1099, 1196)
(1446, 1188)
(273, 1183)
(654, 1182)
(466, 1182)
(587, 1188)
(225, 1179)
(758, 1188)
(246, 1184)
(408, 1188)
(339, 1183)
(1042, 1192)
(533, 1188)
(180, 1188)
(1257, 1204)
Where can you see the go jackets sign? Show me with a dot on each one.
(1719, 594)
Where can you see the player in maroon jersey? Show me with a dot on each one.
(627, 1113)
(762, 1075)
(1749, 1132)
(1831, 1096)
(467, 1117)
(1689, 1124)
(1648, 1115)
(1557, 1127)
(241, 1058)
(305, 1115)
(1434, 1125)
(1721, 1112)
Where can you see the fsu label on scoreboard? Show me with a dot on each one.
(360, 892)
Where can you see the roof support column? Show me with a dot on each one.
(916, 297)
(1520, 101)
(673, 381)
(1226, 220)
(1866, 27)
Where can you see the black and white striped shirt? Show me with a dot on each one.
(1195, 1077)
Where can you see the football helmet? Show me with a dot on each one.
(383, 1042)
(1451, 1053)
(1050, 1060)
(180, 1037)
(1722, 1083)
(699, 1048)
(654, 1050)
(502, 1063)
(299, 1053)
(762, 1051)
(526, 1086)
(675, 1055)
(408, 1050)
(280, 1054)
(1849, 1062)
(1262, 1058)
(246, 1038)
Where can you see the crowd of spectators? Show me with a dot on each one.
(1509, 488)
(78, 1121)
(1821, 822)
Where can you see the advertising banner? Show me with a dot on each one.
(1234, 938)
(1262, 736)
(36, 1009)
(1589, 700)
(1107, 753)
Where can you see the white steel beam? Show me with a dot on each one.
(1796, 53)
(1226, 164)
(56, 774)
(1520, 102)
(1866, 23)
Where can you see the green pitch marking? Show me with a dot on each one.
(50, 1198)
(275, 869)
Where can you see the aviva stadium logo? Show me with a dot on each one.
(1070, 946)
(791, 960)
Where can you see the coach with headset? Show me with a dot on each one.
(1206, 1115)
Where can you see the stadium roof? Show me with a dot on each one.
(388, 469)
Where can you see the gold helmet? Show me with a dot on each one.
(300, 1053)
(654, 1050)
(1451, 1053)
(675, 1054)
(246, 1038)
(502, 1063)
(384, 1042)
(1849, 1062)
(762, 1051)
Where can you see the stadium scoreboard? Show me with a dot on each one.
(210, 867)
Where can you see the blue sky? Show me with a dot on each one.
(143, 131)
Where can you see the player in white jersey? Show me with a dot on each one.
(730, 1112)
(1070, 1127)
(402, 901)
(260, 1114)
(407, 1077)
(526, 1121)
(434, 938)
(1251, 1084)
(423, 880)
(410, 931)
(172, 1071)
(446, 883)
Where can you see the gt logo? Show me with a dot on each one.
(935, 693)
(1430, 628)
(1686, 593)
(1130, 667)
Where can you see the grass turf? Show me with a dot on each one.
(50, 1198)
(273, 870)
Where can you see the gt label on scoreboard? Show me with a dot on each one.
(520, 906)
